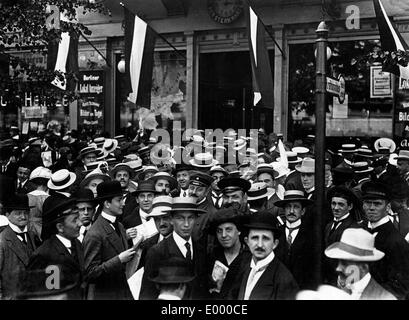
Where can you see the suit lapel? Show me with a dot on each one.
(174, 249)
(63, 251)
(244, 282)
(16, 245)
(112, 237)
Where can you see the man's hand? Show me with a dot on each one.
(131, 233)
(127, 255)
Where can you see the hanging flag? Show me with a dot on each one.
(263, 86)
(391, 40)
(283, 154)
(139, 48)
(62, 56)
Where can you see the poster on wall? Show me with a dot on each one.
(401, 116)
(91, 103)
(380, 83)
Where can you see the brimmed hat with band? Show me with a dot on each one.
(61, 179)
(259, 190)
(145, 186)
(161, 204)
(356, 244)
(266, 168)
(307, 166)
(348, 148)
(292, 157)
(185, 204)
(263, 220)
(174, 270)
(17, 202)
(109, 146)
(203, 160)
(403, 155)
(88, 150)
(293, 195)
(226, 215)
(362, 167)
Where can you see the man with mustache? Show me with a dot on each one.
(182, 174)
(294, 247)
(234, 190)
(263, 276)
(123, 173)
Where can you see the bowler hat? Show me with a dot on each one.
(145, 186)
(375, 190)
(84, 195)
(263, 220)
(233, 183)
(174, 270)
(55, 210)
(185, 204)
(356, 244)
(293, 195)
(17, 202)
(109, 189)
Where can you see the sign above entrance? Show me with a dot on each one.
(223, 11)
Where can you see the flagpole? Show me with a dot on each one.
(159, 35)
(268, 31)
(95, 48)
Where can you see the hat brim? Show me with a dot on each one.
(175, 279)
(198, 211)
(370, 169)
(108, 196)
(213, 163)
(123, 168)
(102, 176)
(334, 252)
(110, 150)
(299, 168)
(81, 155)
(269, 193)
(392, 143)
(267, 170)
(52, 186)
(282, 203)
(159, 212)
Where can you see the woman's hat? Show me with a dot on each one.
(385, 145)
(293, 195)
(109, 189)
(203, 160)
(226, 215)
(185, 204)
(161, 206)
(307, 165)
(61, 179)
(259, 190)
(356, 244)
(174, 270)
(109, 146)
(145, 186)
(122, 167)
(166, 176)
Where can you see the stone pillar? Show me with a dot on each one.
(192, 88)
(280, 112)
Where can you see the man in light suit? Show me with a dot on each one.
(179, 244)
(354, 253)
(263, 276)
(16, 246)
(106, 247)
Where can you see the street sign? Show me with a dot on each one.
(336, 87)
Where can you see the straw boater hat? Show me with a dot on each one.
(362, 167)
(165, 176)
(259, 190)
(324, 292)
(99, 142)
(364, 152)
(61, 179)
(134, 162)
(147, 169)
(109, 146)
(307, 166)
(40, 173)
(385, 145)
(203, 160)
(88, 150)
(122, 167)
(185, 204)
(266, 168)
(292, 157)
(161, 204)
(293, 195)
(348, 148)
(403, 155)
(300, 151)
(356, 244)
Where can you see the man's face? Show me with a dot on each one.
(123, 177)
(162, 186)
(217, 176)
(145, 200)
(163, 224)
(348, 272)
(183, 223)
(227, 235)
(116, 205)
(375, 209)
(89, 158)
(267, 179)
(340, 207)
(308, 180)
(86, 212)
(23, 173)
(92, 185)
(293, 211)
(261, 243)
(18, 218)
(403, 166)
(70, 227)
(182, 178)
(197, 191)
(234, 197)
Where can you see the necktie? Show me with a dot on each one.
(116, 226)
(22, 236)
(19, 185)
(73, 251)
(290, 238)
(184, 193)
(188, 252)
(335, 225)
(395, 220)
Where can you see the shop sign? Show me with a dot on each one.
(403, 84)
(337, 87)
(380, 83)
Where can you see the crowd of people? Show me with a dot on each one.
(109, 218)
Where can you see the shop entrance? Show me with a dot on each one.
(224, 88)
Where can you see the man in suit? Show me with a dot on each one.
(215, 196)
(293, 180)
(296, 241)
(106, 247)
(265, 173)
(263, 276)
(179, 244)
(23, 174)
(16, 245)
(392, 271)
(399, 213)
(403, 165)
(354, 254)
(62, 249)
(234, 191)
(85, 203)
(123, 173)
(182, 174)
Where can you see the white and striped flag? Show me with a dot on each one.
(391, 40)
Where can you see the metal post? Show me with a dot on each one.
(320, 94)
(244, 109)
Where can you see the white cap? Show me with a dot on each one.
(40, 172)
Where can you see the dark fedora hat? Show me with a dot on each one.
(109, 189)
(233, 183)
(375, 190)
(263, 220)
(84, 195)
(182, 167)
(226, 215)
(58, 208)
(174, 270)
(145, 186)
(17, 202)
(293, 195)
(342, 192)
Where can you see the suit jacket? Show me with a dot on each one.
(391, 272)
(133, 219)
(35, 219)
(104, 270)
(200, 231)
(145, 246)
(270, 206)
(276, 283)
(163, 251)
(130, 205)
(403, 222)
(374, 291)
(14, 257)
(53, 252)
(298, 258)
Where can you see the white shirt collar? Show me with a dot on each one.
(342, 218)
(262, 263)
(17, 229)
(180, 242)
(376, 224)
(166, 296)
(310, 190)
(65, 241)
(107, 216)
(293, 224)
(358, 287)
(143, 214)
(67, 194)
